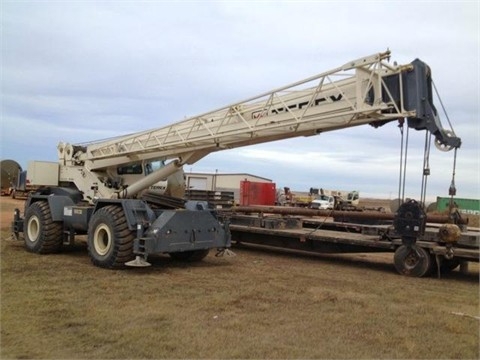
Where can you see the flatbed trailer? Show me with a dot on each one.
(324, 235)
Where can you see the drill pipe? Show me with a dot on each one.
(440, 219)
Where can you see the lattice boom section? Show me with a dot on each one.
(296, 109)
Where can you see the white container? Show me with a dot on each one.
(42, 173)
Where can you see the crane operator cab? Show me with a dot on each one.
(122, 176)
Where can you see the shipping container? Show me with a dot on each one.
(257, 193)
(465, 206)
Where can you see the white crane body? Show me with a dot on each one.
(368, 90)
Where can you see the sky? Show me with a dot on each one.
(79, 71)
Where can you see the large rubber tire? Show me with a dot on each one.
(413, 261)
(190, 256)
(110, 241)
(42, 234)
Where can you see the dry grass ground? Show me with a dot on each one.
(259, 304)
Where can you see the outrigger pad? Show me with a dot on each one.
(138, 262)
(225, 252)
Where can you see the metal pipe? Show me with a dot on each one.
(441, 219)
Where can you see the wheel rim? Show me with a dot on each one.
(33, 228)
(102, 239)
(411, 260)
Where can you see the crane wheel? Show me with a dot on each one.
(190, 256)
(110, 241)
(42, 234)
(413, 261)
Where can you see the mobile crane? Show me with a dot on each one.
(100, 184)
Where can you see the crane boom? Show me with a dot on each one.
(278, 114)
(368, 90)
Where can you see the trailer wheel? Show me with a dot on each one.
(190, 256)
(42, 234)
(413, 261)
(110, 242)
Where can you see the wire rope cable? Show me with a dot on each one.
(426, 167)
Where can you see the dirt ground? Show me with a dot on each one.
(7, 206)
(258, 304)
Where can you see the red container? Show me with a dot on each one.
(257, 193)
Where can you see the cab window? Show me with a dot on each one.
(153, 166)
(134, 169)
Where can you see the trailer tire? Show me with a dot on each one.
(42, 234)
(413, 261)
(110, 241)
(190, 256)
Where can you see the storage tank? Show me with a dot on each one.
(9, 174)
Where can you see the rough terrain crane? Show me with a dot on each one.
(100, 185)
